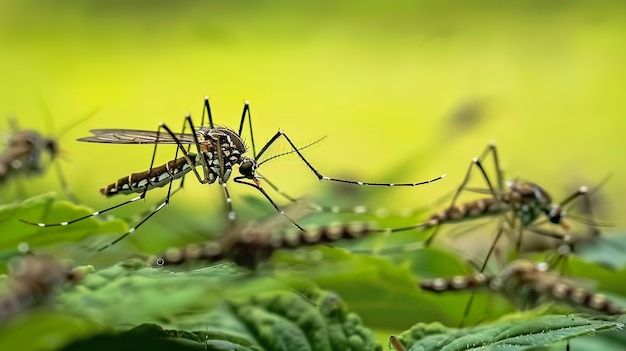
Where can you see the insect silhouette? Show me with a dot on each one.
(33, 279)
(527, 285)
(218, 148)
(30, 154)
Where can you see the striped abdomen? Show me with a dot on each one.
(477, 208)
(158, 177)
(527, 284)
(248, 248)
(457, 283)
(578, 297)
(526, 198)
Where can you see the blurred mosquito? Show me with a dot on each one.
(255, 242)
(218, 150)
(522, 204)
(33, 279)
(527, 285)
(25, 154)
(249, 246)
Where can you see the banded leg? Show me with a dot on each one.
(322, 177)
(476, 162)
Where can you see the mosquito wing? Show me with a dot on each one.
(132, 136)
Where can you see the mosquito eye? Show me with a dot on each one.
(555, 214)
(247, 169)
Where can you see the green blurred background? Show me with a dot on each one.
(404, 90)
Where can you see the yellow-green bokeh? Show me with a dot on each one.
(383, 80)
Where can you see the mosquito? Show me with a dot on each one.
(250, 246)
(30, 154)
(218, 148)
(527, 285)
(522, 203)
(33, 279)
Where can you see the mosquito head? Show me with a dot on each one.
(247, 168)
(52, 146)
(555, 213)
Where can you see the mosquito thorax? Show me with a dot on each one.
(529, 200)
(224, 142)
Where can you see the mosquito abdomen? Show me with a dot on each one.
(459, 212)
(456, 283)
(578, 296)
(157, 177)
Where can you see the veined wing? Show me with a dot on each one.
(132, 136)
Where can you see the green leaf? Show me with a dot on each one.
(510, 335)
(384, 294)
(43, 329)
(218, 307)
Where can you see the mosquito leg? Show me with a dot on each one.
(192, 163)
(491, 148)
(166, 200)
(493, 246)
(93, 214)
(140, 197)
(475, 163)
(586, 198)
(154, 211)
(467, 309)
(131, 230)
(322, 177)
(232, 216)
(256, 185)
(246, 111)
(207, 108)
(316, 207)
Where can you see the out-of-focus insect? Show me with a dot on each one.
(30, 154)
(527, 285)
(219, 149)
(249, 246)
(32, 280)
(522, 205)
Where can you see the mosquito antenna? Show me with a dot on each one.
(75, 123)
(291, 152)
